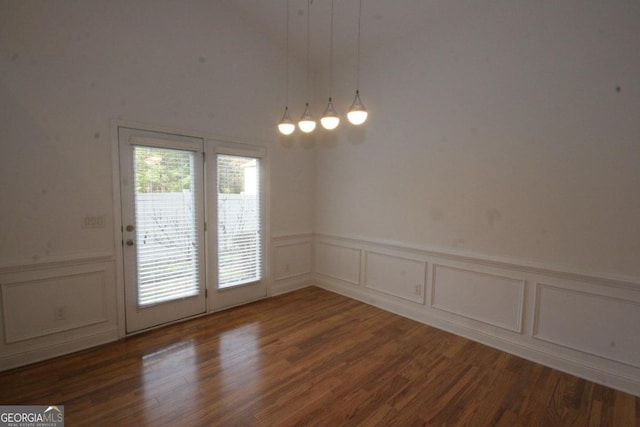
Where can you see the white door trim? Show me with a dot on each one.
(221, 140)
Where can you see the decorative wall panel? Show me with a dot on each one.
(592, 323)
(33, 308)
(292, 259)
(484, 297)
(396, 275)
(338, 262)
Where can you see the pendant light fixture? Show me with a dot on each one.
(286, 126)
(357, 112)
(307, 124)
(330, 119)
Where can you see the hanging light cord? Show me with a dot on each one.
(308, 43)
(358, 47)
(331, 53)
(286, 61)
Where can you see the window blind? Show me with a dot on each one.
(166, 224)
(239, 220)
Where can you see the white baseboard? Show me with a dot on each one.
(51, 350)
(289, 286)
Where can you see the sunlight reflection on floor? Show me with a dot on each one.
(239, 357)
(169, 374)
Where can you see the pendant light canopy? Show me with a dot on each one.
(357, 112)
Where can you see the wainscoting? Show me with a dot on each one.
(579, 323)
(292, 263)
(56, 308)
(587, 325)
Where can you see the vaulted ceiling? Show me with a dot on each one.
(383, 21)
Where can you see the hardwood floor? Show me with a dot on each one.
(313, 358)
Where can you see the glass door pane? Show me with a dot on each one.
(166, 225)
(239, 220)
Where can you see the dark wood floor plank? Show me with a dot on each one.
(312, 358)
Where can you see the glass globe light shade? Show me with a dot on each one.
(307, 126)
(330, 122)
(357, 117)
(330, 119)
(306, 123)
(357, 112)
(286, 126)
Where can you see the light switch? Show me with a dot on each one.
(93, 221)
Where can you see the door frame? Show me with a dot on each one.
(209, 139)
(156, 314)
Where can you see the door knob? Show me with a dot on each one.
(129, 242)
(129, 227)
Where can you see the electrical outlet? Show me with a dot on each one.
(287, 268)
(418, 290)
(60, 313)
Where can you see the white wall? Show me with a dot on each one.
(66, 69)
(493, 191)
(497, 130)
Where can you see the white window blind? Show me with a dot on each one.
(166, 224)
(239, 220)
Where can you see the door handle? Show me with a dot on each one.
(129, 242)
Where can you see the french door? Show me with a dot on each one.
(192, 225)
(236, 206)
(162, 184)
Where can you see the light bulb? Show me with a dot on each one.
(330, 119)
(357, 113)
(306, 123)
(286, 126)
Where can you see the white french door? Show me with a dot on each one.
(235, 177)
(162, 200)
(193, 219)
